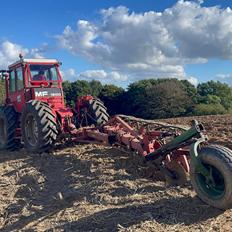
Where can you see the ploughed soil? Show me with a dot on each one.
(96, 188)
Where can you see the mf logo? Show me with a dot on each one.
(41, 94)
(18, 98)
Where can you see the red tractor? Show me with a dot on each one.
(34, 109)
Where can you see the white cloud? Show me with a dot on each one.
(111, 76)
(193, 80)
(149, 44)
(227, 78)
(36, 53)
(9, 53)
(39, 52)
(94, 74)
(69, 74)
(123, 41)
(117, 76)
(200, 32)
(101, 75)
(200, 1)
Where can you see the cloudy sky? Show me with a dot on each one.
(122, 41)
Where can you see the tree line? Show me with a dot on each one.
(2, 91)
(156, 98)
(153, 98)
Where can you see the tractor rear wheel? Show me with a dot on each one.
(94, 113)
(8, 125)
(217, 190)
(39, 128)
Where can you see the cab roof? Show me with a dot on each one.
(34, 61)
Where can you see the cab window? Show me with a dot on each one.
(12, 80)
(19, 73)
(44, 72)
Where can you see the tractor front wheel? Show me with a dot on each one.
(215, 190)
(39, 128)
(8, 125)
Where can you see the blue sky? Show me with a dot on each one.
(128, 41)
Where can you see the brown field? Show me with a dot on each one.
(93, 188)
(219, 127)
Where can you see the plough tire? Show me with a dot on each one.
(218, 160)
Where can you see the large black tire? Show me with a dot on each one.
(94, 113)
(39, 128)
(218, 159)
(8, 125)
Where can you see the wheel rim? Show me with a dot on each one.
(214, 186)
(3, 131)
(31, 130)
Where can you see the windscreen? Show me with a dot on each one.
(43, 72)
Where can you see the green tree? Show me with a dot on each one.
(2, 90)
(210, 90)
(81, 88)
(135, 92)
(96, 88)
(190, 89)
(73, 90)
(112, 97)
(152, 92)
(209, 109)
(156, 98)
(168, 98)
(213, 99)
(67, 88)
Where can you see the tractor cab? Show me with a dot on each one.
(34, 79)
(34, 109)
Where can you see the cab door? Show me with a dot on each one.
(16, 88)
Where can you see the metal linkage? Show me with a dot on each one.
(136, 139)
(187, 138)
(166, 146)
(152, 123)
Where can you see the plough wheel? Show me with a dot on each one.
(180, 176)
(216, 190)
